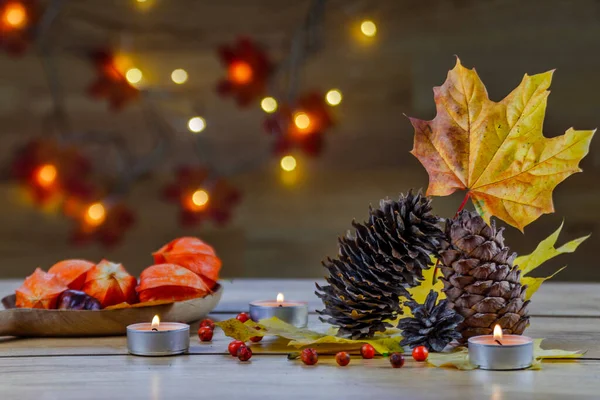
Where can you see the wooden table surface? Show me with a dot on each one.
(567, 315)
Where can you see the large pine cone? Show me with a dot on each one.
(376, 264)
(479, 278)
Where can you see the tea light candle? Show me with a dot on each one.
(292, 312)
(501, 352)
(158, 339)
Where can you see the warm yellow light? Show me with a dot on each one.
(240, 72)
(133, 75)
(179, 76)
(368, 28)
(269, 105)
(280, 298)
(200, 198)
(15, 15)
(288, 163)
(497, 332)
(143, 1)
(302, 120)
(333, 97)
(196, 124)
(95, 215)
(155, 321)
(46, 175)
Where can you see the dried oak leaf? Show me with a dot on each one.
(496, 151)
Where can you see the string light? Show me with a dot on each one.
(368, 28)
(302, 120)
(269, 105)
(179, 76)
(196, 124)
(15, 15)
(95, 214)
(46, 175)
(288, 163)
(133, 75)
(333, 97)
(141, 1)
(200, 198)
(240, 72)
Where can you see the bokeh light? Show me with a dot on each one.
(302, 120)
(179, 76)
(46, 175)
(368, 28)
(200, 198)
(196, 124)
(269, 105)
(333, 97)
(133, 75)
(288, 163)
(240, 72)
(95, 214)
(15, 15)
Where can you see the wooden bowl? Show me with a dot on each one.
(34, 322)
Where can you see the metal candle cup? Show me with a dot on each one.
(292, 312)
(501, 352)
(158, 339)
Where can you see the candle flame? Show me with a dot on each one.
(280, 297)
(497, 332)
(155, 322)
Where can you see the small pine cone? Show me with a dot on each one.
(480, 280)
(377, 263)
(432, 326)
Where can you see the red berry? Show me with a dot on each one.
(207, 322)
(309, 356)
(420, 353)
(242, 317)
(234, 347)
(244, 353)
(367, 351)
(256, 339)
(397, 360)
(342, 358)
(205, 334)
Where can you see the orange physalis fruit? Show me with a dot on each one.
(193, 254)
(71, 272)
(110, 284)
(170, 282)
(40, 290)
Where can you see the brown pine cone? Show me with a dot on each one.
(480, 280)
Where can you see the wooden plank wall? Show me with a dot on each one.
(285, 230)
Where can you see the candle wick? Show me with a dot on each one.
(154, 330)
(499, 342)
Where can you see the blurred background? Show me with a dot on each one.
(127, 123)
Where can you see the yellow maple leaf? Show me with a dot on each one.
(304, 337)
(496, 150)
